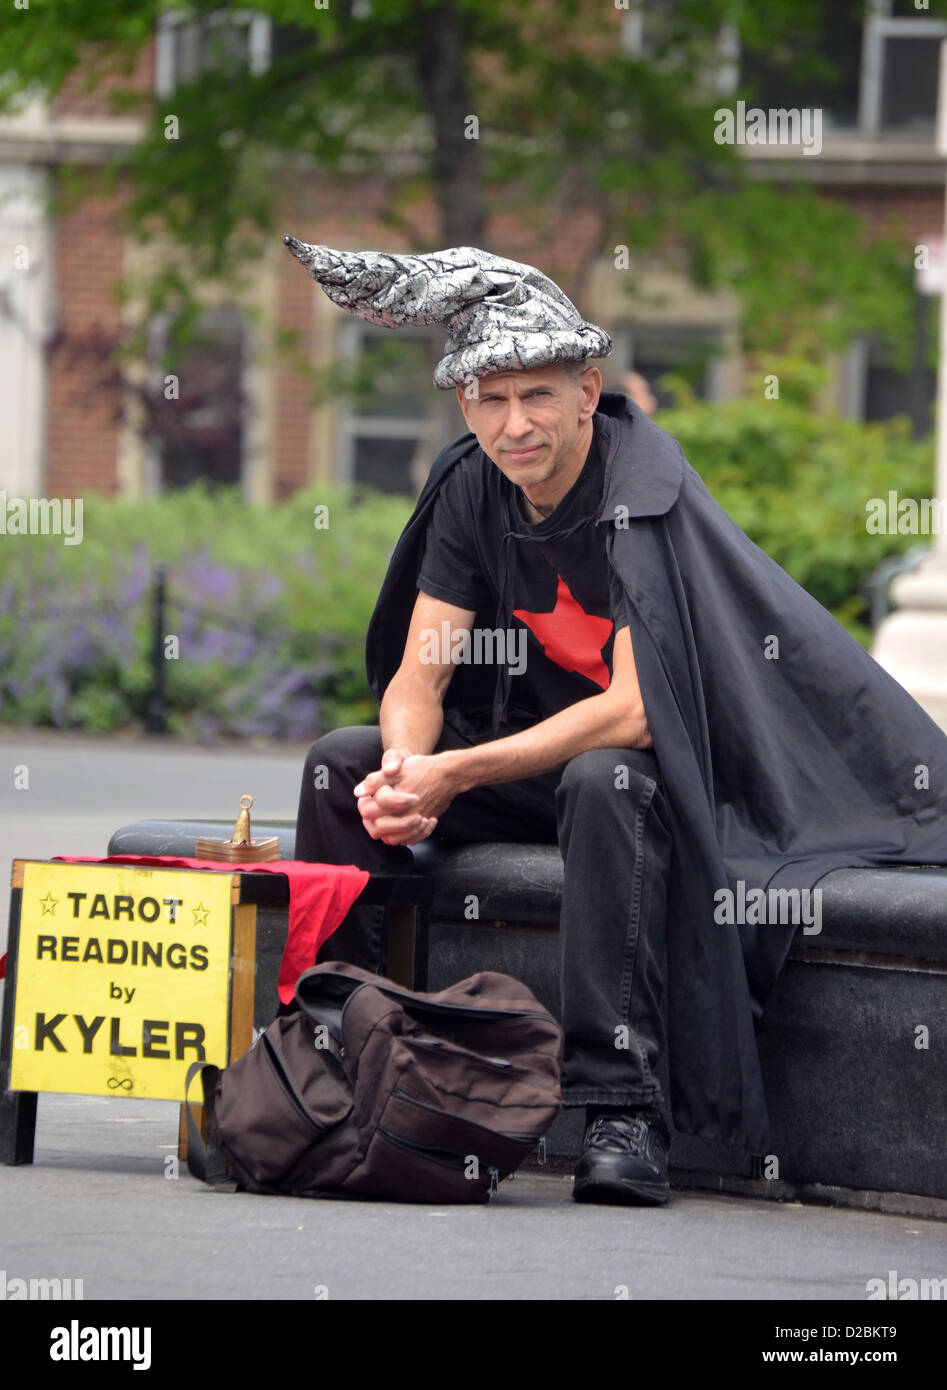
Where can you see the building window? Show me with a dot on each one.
(659, 352)
(196, 405)
(648, 32)
(389, 404)
(187, 46)
(830, 54)
(875, 389)
(868, 65)
(900, 75)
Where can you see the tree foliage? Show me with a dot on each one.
(572, 131)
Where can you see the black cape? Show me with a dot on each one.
(777, 768)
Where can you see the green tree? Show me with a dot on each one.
(534, 108)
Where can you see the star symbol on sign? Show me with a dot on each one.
(571, 637)
(48, 904)
(200, 915)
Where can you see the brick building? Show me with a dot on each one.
(71, 426)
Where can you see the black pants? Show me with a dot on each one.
(607, 811)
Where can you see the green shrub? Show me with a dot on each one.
(797, 482)
(269, 612)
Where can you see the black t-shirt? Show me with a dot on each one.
(549, 584)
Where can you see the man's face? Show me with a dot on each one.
(534, 425)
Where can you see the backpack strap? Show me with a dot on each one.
(322, 994)
(205, 1161)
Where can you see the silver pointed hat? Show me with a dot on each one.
(500, 315)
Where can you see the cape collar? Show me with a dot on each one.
(644, 467)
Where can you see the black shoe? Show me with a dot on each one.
(624, 1160)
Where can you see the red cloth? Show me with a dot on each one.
(320, 895)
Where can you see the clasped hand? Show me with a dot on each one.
(400, 803)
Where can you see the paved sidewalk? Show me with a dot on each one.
(97, 1206)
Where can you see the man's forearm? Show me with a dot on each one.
(598, 722)
(411, 716)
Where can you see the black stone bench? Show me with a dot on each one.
(857, 1101)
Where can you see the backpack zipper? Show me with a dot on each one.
(287, 1086)
(425, 1041)
(525, 1139)
(447, 1158)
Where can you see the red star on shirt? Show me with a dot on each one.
(571, 637)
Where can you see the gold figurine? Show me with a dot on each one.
(241, 831)
(241, 848)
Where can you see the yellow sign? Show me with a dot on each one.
(122, 979)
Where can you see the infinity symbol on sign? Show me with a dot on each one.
(125, 1082)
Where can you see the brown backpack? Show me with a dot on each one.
(372, 1090)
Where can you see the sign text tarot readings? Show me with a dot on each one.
(122, 979)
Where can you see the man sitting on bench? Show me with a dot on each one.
(570, 647)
